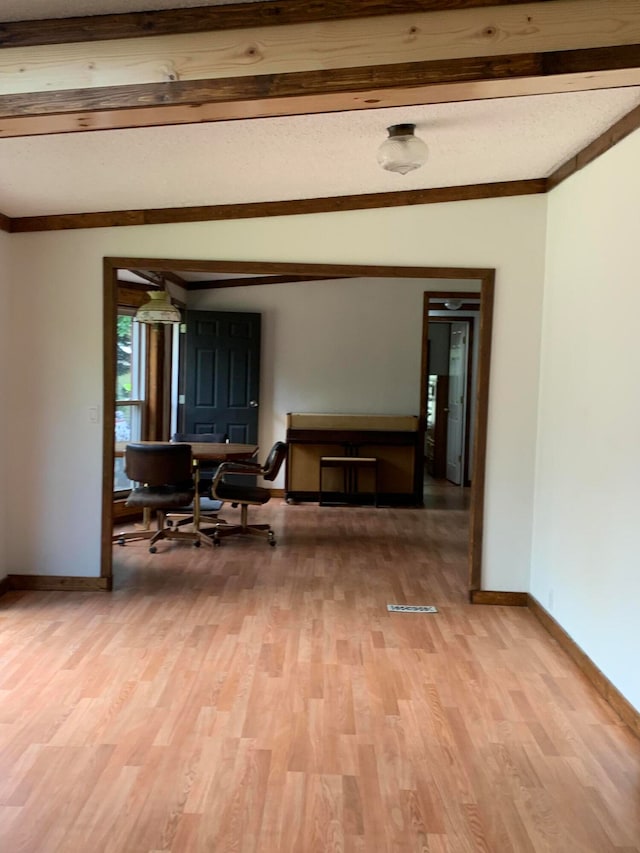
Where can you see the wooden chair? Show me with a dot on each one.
(246, 496)
(165, 477)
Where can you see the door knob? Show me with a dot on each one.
(253, 404)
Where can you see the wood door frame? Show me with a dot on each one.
(478, 469)
(486, 278)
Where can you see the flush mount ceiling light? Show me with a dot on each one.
(453, 304)
(158, 310)
(402, 151)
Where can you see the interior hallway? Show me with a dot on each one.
(442, 494)
(250, 698)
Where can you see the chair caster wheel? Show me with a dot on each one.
(272, 540)
(153, 549)
(217, 541)
(197, 543)
(121, 543)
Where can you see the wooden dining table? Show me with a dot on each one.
(201, 452)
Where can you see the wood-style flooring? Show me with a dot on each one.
(248, 698)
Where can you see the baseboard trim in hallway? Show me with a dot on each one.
(507, 599)
(64, 583)
(623, 708)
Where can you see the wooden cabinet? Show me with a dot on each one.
(392, 439)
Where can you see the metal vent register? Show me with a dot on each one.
(412, 608)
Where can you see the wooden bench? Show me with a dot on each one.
(350, 466)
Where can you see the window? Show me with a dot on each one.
(130, 387)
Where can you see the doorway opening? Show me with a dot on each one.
(456, 346)
(255, 273)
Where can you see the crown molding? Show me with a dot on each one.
(259, 210)
(616, 133)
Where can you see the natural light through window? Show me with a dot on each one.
(130, 391)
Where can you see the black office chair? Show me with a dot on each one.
(165, 477)
(206, 472)
(246, 496)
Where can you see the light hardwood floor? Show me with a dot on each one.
(255, 699)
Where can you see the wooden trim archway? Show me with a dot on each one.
(485, 278)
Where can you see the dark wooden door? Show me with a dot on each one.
(222, 374)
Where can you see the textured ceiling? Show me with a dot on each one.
(287, 158)
(299, 157)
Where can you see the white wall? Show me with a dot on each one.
(350, 345)
(586, 563)
(5, 400)
(58, 301)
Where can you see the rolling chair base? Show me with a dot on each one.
(133, 536)
(196, 537)
(252, 530)
(223, 529)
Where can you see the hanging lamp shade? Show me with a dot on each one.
(158, 309)
(402, 151)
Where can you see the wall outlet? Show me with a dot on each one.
(94, 414)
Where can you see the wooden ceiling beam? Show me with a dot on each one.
(222, 283)
(152, 277)
(453, 51)
(614, 134)
(215, 18)
(257, 210)
(158, 278)
(332, 45)
(306, 93)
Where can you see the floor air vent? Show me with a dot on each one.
(412, 608)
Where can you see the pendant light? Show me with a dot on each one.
(158, 310)
(402, 151)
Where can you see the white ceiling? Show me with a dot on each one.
(296, 157)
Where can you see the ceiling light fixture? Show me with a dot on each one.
(453, 304)
(158, 310)
(402, 151)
